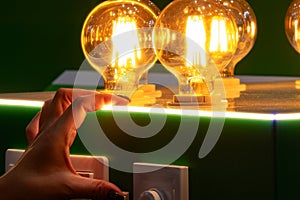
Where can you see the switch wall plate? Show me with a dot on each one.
(160, 182)
(89, 166)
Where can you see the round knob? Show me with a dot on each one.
(151, 194)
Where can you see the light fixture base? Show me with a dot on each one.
(233, 87)
(145, 95)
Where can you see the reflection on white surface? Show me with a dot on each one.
(171, 111)
(17, 102)
(203, 113)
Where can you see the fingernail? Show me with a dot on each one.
(115, 196)
(124, 97)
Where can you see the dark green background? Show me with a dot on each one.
(40, 39)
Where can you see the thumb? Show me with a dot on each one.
(95, 189)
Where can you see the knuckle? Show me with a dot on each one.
(62, 93)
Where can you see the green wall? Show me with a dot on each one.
(41, 39)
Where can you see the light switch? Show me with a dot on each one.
(86, 174)
(89, 166)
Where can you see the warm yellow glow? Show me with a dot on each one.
(218, 39)
(16, 102)
(107, 107)
(296, 29)
(215, 43)
(97, 35)
(253, 29)
(223, 36)
(120, 55)
(203, 113)
(195, 33)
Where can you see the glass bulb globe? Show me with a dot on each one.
(193, 37)
(116, 40)
(247, 31)
(292, 29)
(151, 5)
(144, 78)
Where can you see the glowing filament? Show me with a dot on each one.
(253, 29)
(126, 48)
(218, 40)
(296, 35)
(195, 43)
(296, 29)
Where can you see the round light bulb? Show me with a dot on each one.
(144, 78)
(116, 40)
(193, 37)
(292, 28)
(247, 31)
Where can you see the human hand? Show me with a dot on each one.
(45, 170)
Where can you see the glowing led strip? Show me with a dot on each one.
(288, 116)
(16, 102)
(160, 110)
(226, 114)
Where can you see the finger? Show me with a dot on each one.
(55, 107)
(65, 96)
(46, 115)
(82, 187)
(81, 92)
(93, 103)
(75, 114)
(32, 128)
